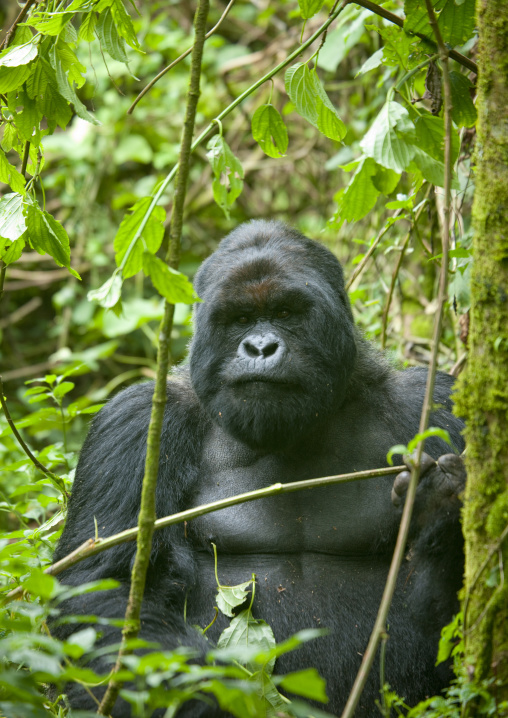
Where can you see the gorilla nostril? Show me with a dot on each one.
(251, 350)
(270, 349)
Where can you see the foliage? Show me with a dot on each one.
(80, 172)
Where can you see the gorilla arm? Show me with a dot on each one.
(107, 490)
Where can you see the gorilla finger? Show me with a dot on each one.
(399, 487)
(454, 469)
(426, 462)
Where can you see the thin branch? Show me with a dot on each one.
(91, 547)
(396, 20)
(178, 59)
(380, 625)
(396, 270)
(3, 269)
(17, 21)
(147, 512)
(371, 251)
(35, 461)
(213, 124)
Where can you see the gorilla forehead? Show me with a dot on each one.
(258, 252)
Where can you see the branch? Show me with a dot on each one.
(91, 547)
(391, 17)
(147, 513)
(400, 547)
(178, 59)
(20, 18)
(213, 124)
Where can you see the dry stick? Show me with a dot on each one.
(91, 547)
(35, 461)
(147, 513)
(400, 547)
(391, 17)
(178, 59)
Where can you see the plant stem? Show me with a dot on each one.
(147, 512)
(178, 59)
(400, 547)
(396, 20)
(91, 547)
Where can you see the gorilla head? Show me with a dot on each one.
(274, 338)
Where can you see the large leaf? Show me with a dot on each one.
(228, 173)
(20, 55)
(245, 630)
(171, 284)
(455, 18)
(463, 109)
(360, 195)
(311, 101)
(47, 236)
(151, 237)
(12, 221)
(269, 131)
(10, 175)
(382, 142)
(109, 38)
(309, 8)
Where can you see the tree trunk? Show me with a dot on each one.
(483, 394)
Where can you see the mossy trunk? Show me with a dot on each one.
(483, 392)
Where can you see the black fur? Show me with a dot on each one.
(281, 387)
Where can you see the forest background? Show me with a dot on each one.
(351, 145)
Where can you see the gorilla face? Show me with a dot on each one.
(274, 340)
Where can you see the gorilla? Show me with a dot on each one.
(280, 387)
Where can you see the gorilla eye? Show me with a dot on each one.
(283, 314)
(242, 320)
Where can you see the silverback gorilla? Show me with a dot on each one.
(280, 387)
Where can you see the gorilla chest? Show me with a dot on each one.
(344, 520)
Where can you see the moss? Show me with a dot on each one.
(498, 516)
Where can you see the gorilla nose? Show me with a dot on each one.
(261, 347)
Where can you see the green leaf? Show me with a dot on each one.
(309, 8)
(308, 95)
(66, 86)
(151, 238)
(12, 221)
(47, 236)
(87, 27)
(19, 55)
(456, 20)
(63, 388)
(109, 38)
(360, 195)
(27, 121)
(228, 173)
(49, 23)
(124, 24)
(463, 109)
(10, 175)
(13, 77)
(398, 45)
(245, 630)
(269, 131)
(55, 108)
(13, 253)
(41, 584)
(171, 284)
(229, 597)
(307, 683)
(382, 142)
(371, 63)
(431, 169)
(109, 293)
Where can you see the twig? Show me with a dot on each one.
(178, 59)
(18, 314)
(204, 134)
(396, 20)
(26, 155)
(400, 547)
(147, 512)
(35, 461)
(91, 547)
(20, 18)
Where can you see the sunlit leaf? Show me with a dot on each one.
(171, 284)
(269, 131)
